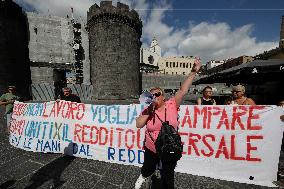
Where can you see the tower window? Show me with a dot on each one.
(35, 29)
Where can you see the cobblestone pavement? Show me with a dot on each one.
(23, 169)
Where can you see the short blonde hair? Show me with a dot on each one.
(158, 88)
(239, 88)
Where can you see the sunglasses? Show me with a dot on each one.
(157, 94)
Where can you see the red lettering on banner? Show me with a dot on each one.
(111, 137)
(211, 150)
(84, 133)
(105, 136)
(186, 119)
(253, 116)
(132, 138)
(77, 130)
(96, 135)
(222, 149)
(59, 106)
(216, 111)
(119, 136)
(209, 146)
(209, 116)
(78, 115)
(233, 149)
(237, 116)
(53, 110)
(19, 109)
(68, 112)
(62, 112)
(252, 148)
(44, 110)
(183, 134)
(101, 136)
(139, 139)
(17, 126)
(224, 120)
(72, 107)
(202, 112)
(191, 143)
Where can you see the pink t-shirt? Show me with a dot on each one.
(153, 125)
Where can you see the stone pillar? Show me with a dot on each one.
(114, 38)
(14, 55)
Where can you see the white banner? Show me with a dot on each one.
(235, 143)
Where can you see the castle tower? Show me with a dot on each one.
(114, 38)
(155, 48)
(281, 42)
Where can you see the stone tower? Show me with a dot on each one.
(14, 52)
(281, 42)
(114, 38)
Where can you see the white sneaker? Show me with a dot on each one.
(139, 182)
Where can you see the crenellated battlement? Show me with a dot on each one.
(106, 12)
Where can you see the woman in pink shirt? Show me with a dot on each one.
(149, 118)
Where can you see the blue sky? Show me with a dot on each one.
(211, 29)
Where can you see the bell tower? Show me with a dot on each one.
(155, 48)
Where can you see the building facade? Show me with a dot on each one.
(231, 63)
(214, 63)
(176, 65)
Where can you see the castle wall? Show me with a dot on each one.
(50, 42)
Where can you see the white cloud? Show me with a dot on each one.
(220, 41)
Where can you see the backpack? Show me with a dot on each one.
(168, 144)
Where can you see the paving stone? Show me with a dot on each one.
(191, 181)
(131, 176)
(7, 184)
(43, 157)
(82, 179)
(10, 154)
(23, 170)
(115, 174)
(95, 166)
(105, 185)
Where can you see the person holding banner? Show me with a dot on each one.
(150, 118)
(68, 96)
(8, 100)
(238, 97)
(206, 99)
